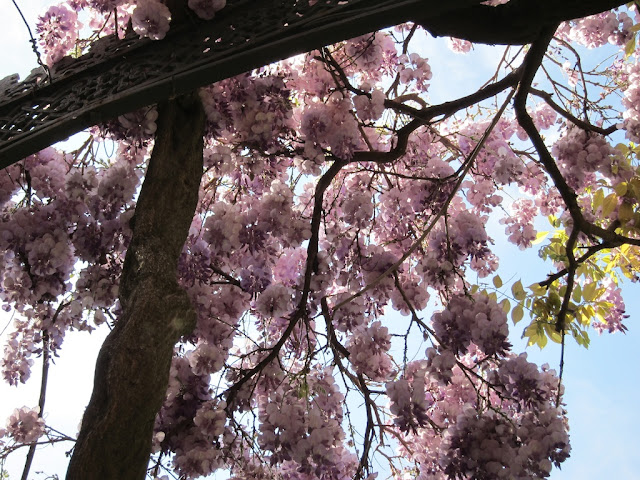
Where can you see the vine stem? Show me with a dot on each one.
(33, 42)
(469, 162)
(559, 395)
(46, 354)
(43, 395)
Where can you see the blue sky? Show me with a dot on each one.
(602, 383)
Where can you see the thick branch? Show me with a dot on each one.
(427, 115)
(531, 63)
(517, 22)
(132, 370)
(589, 253)
(311, 267)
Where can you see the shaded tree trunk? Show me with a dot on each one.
(132, 369)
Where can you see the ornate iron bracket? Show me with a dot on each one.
(118, 76)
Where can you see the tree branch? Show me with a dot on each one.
(43, 394)
(469, 161)
(43, 385)
(132, 370)
(427, 115)
(517, 22)
(547, 97)
(311, 266)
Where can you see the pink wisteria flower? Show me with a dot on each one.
(58, 30)
(151, 19)
(101, 5)
(25, 425)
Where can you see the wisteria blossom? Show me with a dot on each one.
(298, 265)
(151, 19)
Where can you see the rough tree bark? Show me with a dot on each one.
(133, 365)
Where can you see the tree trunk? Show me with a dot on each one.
(132, 369)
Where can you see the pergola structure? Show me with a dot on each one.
(118, 76)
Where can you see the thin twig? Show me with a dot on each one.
(43, 385)
(559, 394)
(469, 162)
(546, 96)
(43, 392)
(33, 42)
(310, 268)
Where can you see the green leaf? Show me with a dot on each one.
(506, 305)
(497, 281)
(587, 340)
(577, 294)
(554, 301)
(517, 314)
(518, 291)
(581, 336)
(589, 291)
(609, 204)
(630, 47)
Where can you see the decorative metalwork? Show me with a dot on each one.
(118, 76)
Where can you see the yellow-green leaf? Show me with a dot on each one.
(630, 47)
(621, 189)
(625, 213)
(621, 146)
(577, 294)
(517, 314)
(537, 289)
(531, 332)
(535, 335)
(598, 198)
(497, 281)
(540, 236)
(518, 291)
(585, 315)
(634, 185)
(589, 291)
(609, 204)
(542, 341)
(553, 334)
(506, 305)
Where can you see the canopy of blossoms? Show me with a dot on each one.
(332, 193)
